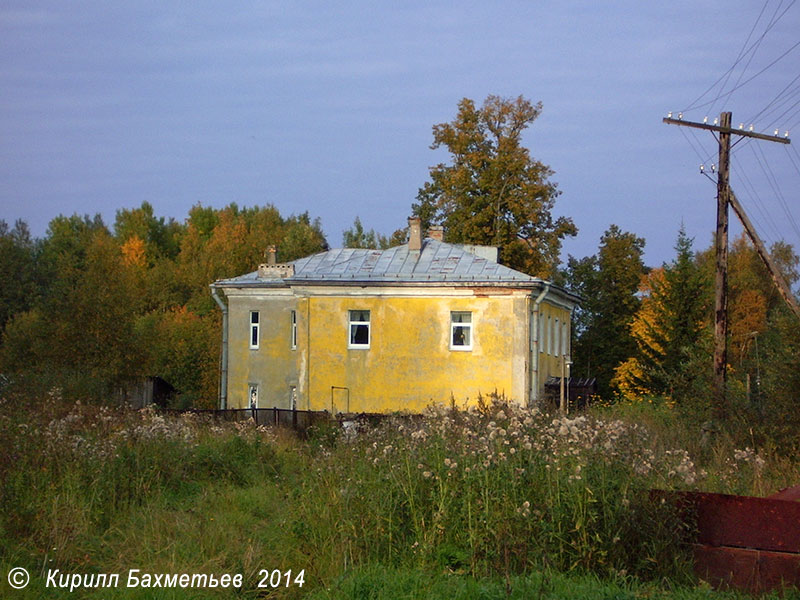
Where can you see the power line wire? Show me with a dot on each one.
(775, 100)
(727, 73)
(795, 162)
(786, 112)
(762, 71)
(757, 201)
(756, 46)
(694, 147)
(725, 76)
(773, 182)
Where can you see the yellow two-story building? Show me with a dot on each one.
(353, 330)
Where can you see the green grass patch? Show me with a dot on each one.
(386, 583)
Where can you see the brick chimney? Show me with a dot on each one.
(436, 232)
(271, 269)
(414, 234)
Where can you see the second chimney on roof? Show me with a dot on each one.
(271, 253)
(414, 234)
(436, 232)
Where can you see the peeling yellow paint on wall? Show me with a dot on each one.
(409, 363)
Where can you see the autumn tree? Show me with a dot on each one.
(161, 237)
(231, 241)
(608, 282)
(99, 328)
(492, 192)
(671, 331)
(184, 350)
(762, 329)
(630, 377)
(752, 297)
(80, 334)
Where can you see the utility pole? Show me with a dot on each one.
(719, 405)
(724, 197)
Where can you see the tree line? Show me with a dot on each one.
(648, 331)
(90, 308)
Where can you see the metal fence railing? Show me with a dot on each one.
(299, 420)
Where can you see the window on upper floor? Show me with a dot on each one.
(549, 335)
(460, 330)
(294, 330)
(541, 335)
(359, 334)
(557, 338)
(254, 329)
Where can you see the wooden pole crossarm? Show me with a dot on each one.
(730, 130)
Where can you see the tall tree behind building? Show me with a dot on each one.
(493, 192)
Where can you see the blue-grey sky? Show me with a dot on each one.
(327, 107)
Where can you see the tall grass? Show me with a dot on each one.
(130, 489)
(501, 489)
(734, 460)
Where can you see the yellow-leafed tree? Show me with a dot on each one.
(670, 330)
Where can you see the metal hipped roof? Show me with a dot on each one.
(437, 262)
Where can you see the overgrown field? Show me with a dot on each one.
(492, 502)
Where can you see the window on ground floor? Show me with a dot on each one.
(252, 395)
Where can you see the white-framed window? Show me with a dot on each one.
(254, 329)
(549, 335)
(294, 330)
(460, 330)
(541, 334)
(358, 331)
(252, 395)
(557, 338)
